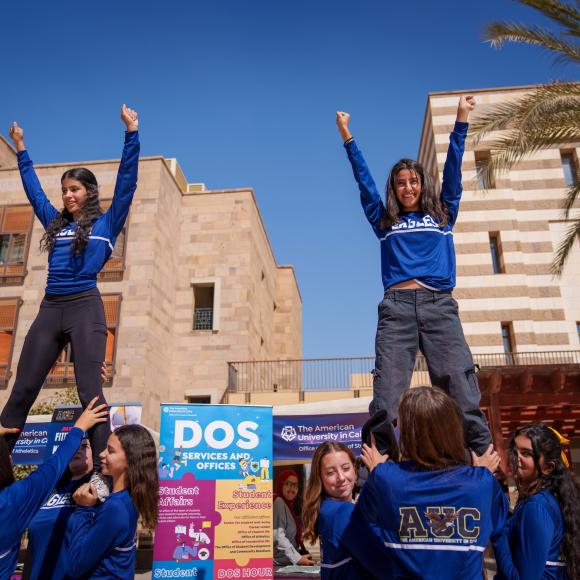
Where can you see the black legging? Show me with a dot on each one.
(80, 320)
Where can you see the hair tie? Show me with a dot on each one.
(564, 442)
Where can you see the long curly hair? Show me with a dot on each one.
(315, 490)
(430, 202)
(559, 482)
(141, 475)
(90, 212)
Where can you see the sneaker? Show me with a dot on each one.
(101, 483)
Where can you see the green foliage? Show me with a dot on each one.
(546, 116)
(67, 396)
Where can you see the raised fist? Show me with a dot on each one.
(16, 133)
(130, 118)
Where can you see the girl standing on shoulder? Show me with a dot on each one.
(328, 505)
(20, 500)
(101, 537)
(79, 240)
(543, 531)
(415, 230)
(288, 548)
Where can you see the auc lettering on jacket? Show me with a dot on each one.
(409, 224)
(439, 524)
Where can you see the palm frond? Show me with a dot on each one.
(498, 33)
(571, 197)
(531, 111)
(565, 14)
(571, 237)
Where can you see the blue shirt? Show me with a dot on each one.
(337, 562)
(433, 525)
(46, 533)
(535, 533)
(68, 272)
(101, 539)
(416, 248)
(21, 500)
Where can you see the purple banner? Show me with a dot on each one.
(298, 436)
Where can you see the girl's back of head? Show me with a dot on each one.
(431, 429)
(141, 474)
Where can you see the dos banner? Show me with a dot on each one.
(215, 488)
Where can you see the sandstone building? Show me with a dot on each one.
(192, 284)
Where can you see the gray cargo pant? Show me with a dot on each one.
(426, 320)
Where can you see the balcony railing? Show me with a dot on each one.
(63, 375)
(332, 374)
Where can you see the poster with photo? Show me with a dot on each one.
(215, 500)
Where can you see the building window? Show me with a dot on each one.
(570, 168)
(578, 330)
(62, 373)
(8, 317)
(481, 160)
(15, 230)
(496, 253)
(199, 399)
(115, 265)
(507, 338)
(203, 307)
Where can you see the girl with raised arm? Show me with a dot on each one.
(101, 537)
(79, 240)
(415, 230)
(20, 500)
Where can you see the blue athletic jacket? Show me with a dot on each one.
(433, 525)
(416, 248)
(535, 533)
(337, 562)
(46, 532)
(101, 540)
(21, 500)
(70, 273)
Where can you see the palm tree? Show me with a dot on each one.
(546, 116)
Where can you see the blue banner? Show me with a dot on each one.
(298, 436)
(38, 441)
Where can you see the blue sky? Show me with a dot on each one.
(243, 93)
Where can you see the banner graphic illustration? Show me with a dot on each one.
(215, 483)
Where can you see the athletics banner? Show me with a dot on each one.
(215, 493)
(298, 436)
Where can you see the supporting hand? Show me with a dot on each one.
(371, 456)
(489, 459)
(86, 495)
(342, 121)
(17, 135)
(8, 431)
(91, 416)
(130, 118)
(466, 105)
